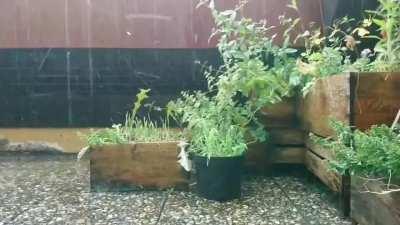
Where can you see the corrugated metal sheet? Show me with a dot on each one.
(125, 23)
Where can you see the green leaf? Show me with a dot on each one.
(379, 22)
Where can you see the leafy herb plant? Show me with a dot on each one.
(217, 128)
(372, 154)
(254, 65)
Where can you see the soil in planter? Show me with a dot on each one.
(219, 178)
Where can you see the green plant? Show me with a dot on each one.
(330, 53)
(387, 50)
(113, 135)
(134, 129)
(337, 52)
(217, 128)
(254, 66)
(256, 72)
(373, 154)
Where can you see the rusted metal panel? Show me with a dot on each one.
(126, 24)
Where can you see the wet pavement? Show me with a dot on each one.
(56, 191)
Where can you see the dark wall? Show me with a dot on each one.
(81, 62)
(91, 87)
(336, 9)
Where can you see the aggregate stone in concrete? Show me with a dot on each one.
(57, 192)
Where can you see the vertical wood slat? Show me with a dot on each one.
(328, 99)
(376, 98)
(125, 24)
(357, 99)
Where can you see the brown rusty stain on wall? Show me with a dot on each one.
(126, 23)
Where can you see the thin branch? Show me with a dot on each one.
(372, 179)
(381, 192)
(396, 120)
(390, 178)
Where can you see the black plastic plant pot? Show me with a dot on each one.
(219, 178)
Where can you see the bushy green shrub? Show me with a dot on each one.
(374, 153)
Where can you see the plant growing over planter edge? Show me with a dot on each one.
(331, 55)
(373, 160)
(373, 154)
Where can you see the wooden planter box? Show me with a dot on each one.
(136, 166)
(286, 138)
(373, 209)
(357, 99)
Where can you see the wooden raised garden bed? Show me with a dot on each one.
(373, 209)
(357, 99)
(136, 166)
(286, 138)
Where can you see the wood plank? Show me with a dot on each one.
(286, 136)
(320, 168)
(140, 24)
(377, 98)
(319, 150)
(135, 166)
(373, 209)
(288, 155)
(260, 156)
(282, 114)
(328, 99)
(256, 157)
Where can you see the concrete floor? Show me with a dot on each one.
(56, 191)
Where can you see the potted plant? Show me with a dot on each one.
(218, 147)
(217, 127)
(138, 154)
(260, 74)
(372, 158)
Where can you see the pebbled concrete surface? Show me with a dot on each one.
(56, 191)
